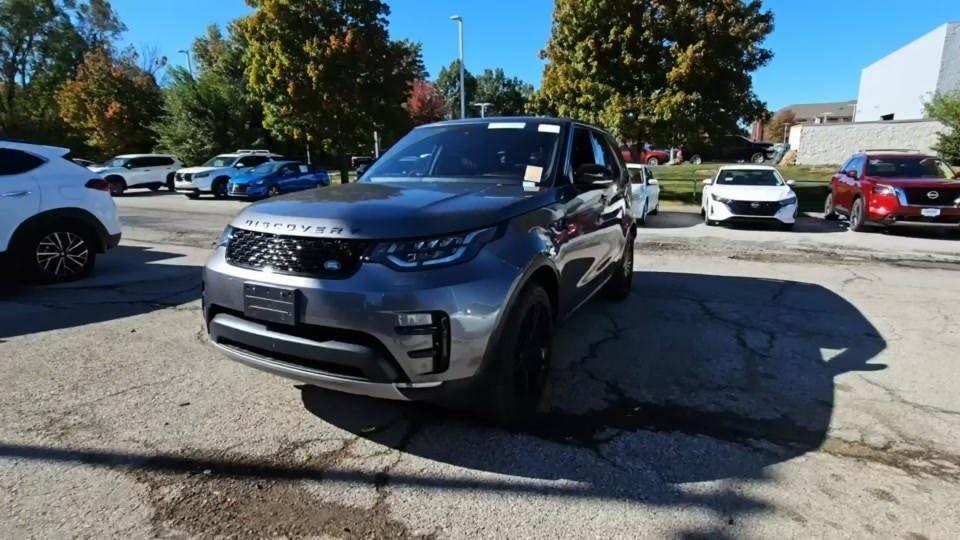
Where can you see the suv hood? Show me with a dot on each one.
(752, 193)
(388, 211)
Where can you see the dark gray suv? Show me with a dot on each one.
(440, 275)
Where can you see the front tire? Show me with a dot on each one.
(758, 158)
(170, 185)
(618, 288)
(519, 377)
(653, 162)
(219, 188)
(273, 191)
(696, 160)
(642, 220)
(857, 217)
(58, 253)
(117, 185)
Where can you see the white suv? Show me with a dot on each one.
(151, 171)
(213, 176)
(55, 216)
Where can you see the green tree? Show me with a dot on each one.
(112, 102)
(327, 72)
(42, 42)
(946, 108)
(508, 95)
(666, 71)
(212, 112)
(448, 84)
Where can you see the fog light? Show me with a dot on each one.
(414, 319)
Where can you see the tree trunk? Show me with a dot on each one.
(344, 168)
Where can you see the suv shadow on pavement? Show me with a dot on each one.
(695, 378)
(128, 281)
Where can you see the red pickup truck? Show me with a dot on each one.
(885, 188)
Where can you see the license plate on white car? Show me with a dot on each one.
(930, 212)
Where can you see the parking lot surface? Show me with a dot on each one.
(756, 384)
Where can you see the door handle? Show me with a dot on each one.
(15, 194)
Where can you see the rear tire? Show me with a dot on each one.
(656, 210)
(57, 253)
(642, 220)
(696, 159)
(829, 211)
(758, 158)
(170, 185)
(117, 185)
(653, 162)
(518, 380)
(273, 191)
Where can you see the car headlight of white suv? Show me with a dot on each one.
(724, 200)
(201, 175)
(789, 200)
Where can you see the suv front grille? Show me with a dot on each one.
(944, 196)
(295, 255)
(748, 208)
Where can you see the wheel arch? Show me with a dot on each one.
(63, 215)
(115, 176)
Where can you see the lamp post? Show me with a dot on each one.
(189, 62)
(483, 108)
(463, 91)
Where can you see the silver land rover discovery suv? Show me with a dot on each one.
(440, 275)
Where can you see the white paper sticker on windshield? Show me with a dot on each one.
(548, 128)
(533, 173)
(506, 125)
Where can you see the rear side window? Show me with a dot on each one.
(253, 161)
(17, 162)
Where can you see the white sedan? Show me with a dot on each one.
(646, 191)
(749, 193)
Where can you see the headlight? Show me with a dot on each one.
(225, 237)
(724, 200)
(201, 175)
(884, 190)
(432, 252)
(788, 201)
(257, 182)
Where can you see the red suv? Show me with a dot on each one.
(889, 187)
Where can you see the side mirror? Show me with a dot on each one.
(653, 182)
(591, 174)
(128, 165)
(707, 181)
(957, 176)
(791, 183)
(240, 166)
(852, 174)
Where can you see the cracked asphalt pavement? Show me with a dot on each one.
(756, 384)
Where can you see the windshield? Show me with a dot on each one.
(116, 162)
(220, 161)
(506, 151)
(909, 167)
(747, 177)
(266, 168)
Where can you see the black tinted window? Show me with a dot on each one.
(912, 167)
(137, 163)
(17, 162)
(159, 161)
(253, 161)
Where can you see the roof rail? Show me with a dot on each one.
(252, 151)
(905, 150)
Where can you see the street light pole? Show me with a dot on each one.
(189, 63)
(463, 90)
(483, 108)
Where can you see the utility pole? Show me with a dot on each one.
(376, 145)
(463, 90)
(483, 108)
(189, 62)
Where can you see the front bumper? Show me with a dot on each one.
(894, 214)
(719, 211)
(246, 191)
(346, 335)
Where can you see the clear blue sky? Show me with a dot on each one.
(819, 45)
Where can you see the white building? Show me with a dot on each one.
(896, 86)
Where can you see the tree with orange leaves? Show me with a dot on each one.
(112, 102)
(425, 104)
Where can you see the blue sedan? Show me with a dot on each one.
(276, 177)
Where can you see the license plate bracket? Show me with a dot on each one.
(930, 212)
(269, 303)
